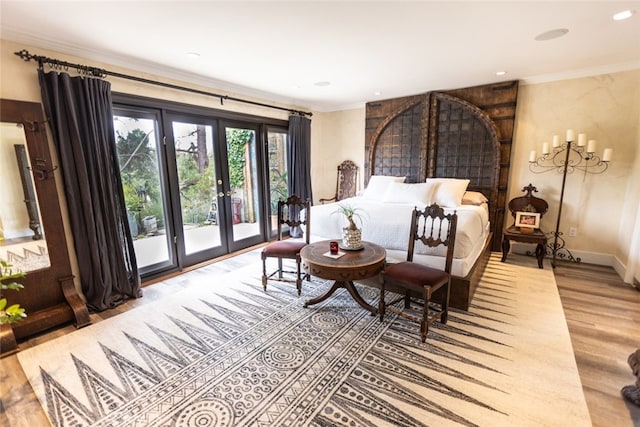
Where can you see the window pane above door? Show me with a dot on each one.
(278, 174)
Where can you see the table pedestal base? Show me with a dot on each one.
(349, 286)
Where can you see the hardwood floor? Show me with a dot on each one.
(602, 312)
(603, 315)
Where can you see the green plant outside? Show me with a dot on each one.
(279, 188)
(140, 184)
(237, 139)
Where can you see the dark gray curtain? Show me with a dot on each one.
(299, 166)
(81, 118)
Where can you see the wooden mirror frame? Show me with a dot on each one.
(49, 296)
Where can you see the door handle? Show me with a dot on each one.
(221, 194)
(229, 193)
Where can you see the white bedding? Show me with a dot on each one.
(387, 224)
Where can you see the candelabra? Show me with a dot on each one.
(566, 158)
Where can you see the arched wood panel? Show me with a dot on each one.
(465, 143)
(464, 133)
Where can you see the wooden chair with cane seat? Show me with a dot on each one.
(288, 214)
(418, 283)
(347, 182)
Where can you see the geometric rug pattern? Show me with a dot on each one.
(225, 353)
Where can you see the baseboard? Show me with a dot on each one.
(619, 266)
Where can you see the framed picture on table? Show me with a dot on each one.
(528, 219)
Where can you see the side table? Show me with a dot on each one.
(538, 237)
(353, 265)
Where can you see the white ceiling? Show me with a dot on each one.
(279, 51)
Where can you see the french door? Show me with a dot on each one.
(195, 186)
(219, 201)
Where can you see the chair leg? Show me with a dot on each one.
(264, 272)
(445, 304)
(424, 325)
(280, 268)
(298, 277)
(381, 305)
(424, 330)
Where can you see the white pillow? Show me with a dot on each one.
(449, 191)
(419, 194)
(473, 198)
(377, 186)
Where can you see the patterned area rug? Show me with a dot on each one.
(225, 353)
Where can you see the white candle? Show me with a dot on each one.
(606, 155)
(556, 141)
(545, 148)
(591, 148)
(570, 135)
(582, 139)
(532, 156)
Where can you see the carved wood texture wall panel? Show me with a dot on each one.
(462, 133)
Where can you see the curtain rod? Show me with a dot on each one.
(102, 73)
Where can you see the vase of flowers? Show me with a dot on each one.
(351, 234)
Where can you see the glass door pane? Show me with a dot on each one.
(244, 185)
(139, 153)
(197, 180)
(278, 174)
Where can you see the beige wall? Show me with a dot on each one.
(601, 206)
(604, 208)
(19, 80)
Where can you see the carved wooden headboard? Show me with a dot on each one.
(464, 133)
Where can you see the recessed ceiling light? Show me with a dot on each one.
(551, 34)
(321, 84)
(625, 14)
(377, 93)
(193, 55)
(500, 73)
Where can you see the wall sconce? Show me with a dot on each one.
(566, 158)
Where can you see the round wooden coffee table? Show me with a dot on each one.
(353, 265)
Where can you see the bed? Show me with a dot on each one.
(464, 134)
(385, 210)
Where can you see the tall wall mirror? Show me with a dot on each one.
(22, 239)
(32, 237)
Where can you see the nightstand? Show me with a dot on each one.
(524, 204)
(537, 236)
